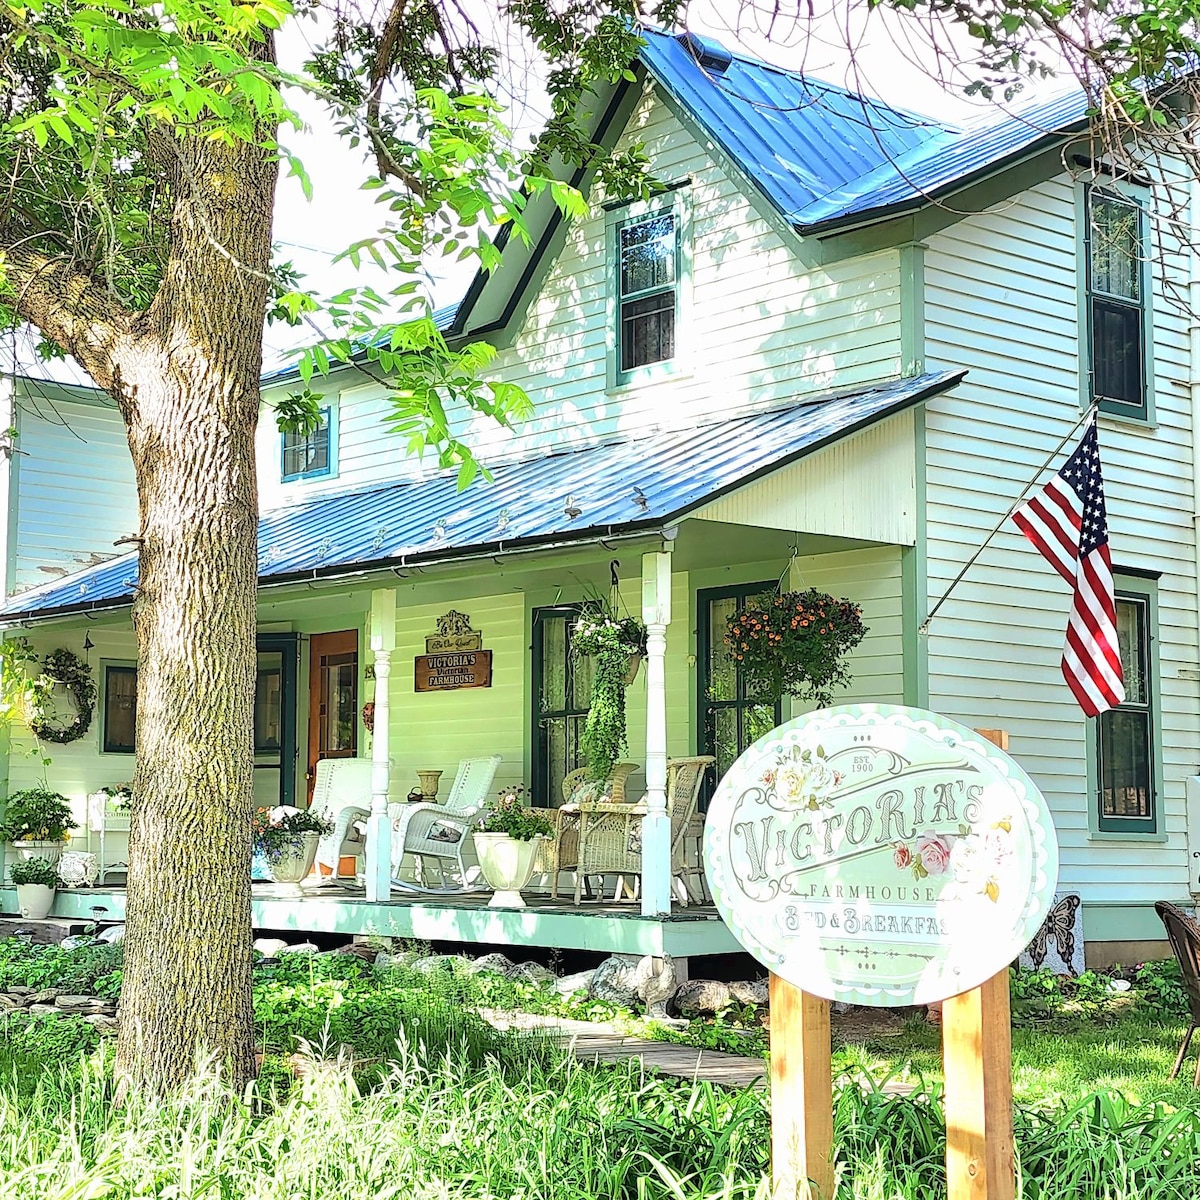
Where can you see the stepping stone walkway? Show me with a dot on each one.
(599, 1041)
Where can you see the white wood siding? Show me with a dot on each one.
(861, 487)
(762, 329)
(872, 578)
(1002, 300)
(73, 491)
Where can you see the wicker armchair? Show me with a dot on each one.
(1184, 936)
(610, 835)
(563, 853)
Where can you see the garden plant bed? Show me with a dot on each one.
(440, 1102)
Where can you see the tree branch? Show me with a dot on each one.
(69, 306)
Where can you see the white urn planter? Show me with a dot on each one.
(507, 864)
(295, 862)
(35, 900)
(50, 851)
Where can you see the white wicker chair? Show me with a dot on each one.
(342, 792)
(610, 835)
(439, 831)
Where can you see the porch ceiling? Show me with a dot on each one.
(611, 490)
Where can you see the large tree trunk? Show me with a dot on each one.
(189, 385)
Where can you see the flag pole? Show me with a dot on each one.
(923, 628)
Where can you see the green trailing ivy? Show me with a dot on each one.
(66, 669)
(610, 641)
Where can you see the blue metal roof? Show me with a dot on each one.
(824, 156)
(615, 487)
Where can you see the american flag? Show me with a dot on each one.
(1068, 523)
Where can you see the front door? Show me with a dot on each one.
(332, 698)
(275, 750)
(562, 689)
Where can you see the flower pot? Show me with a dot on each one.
(295, 862)
(631, 670)
(50, 851)
(506, 864)
(35, 900)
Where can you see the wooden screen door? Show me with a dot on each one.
(332, 698)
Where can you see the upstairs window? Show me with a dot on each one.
(647, 290)
(1125, 735)
(1117, 311)
(309, 455)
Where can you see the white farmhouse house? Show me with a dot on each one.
(831, 352)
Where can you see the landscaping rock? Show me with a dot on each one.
(568, 985)
(440, 962)
(79, 1004)
(45, 1009)
(8, 1003)
(45, 996)
(102, 1022)
(363, 950)
(499, 964)
(19, 989)
(656, 984)
(700, 998)
(270, 947)
(300, 948)
(531, 972)
(113, 934)
(76, 940)
(750, 991)
(615, 980)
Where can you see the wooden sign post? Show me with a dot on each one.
(884, 856)
(801, 1094)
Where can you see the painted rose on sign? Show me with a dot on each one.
(880, 855)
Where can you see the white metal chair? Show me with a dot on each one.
(342, 793)
(439, 831)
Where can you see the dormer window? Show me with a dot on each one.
(309, 455)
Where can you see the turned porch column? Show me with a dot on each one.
(379, 827)
(656, 824)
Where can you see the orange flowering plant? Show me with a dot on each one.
(795, 645)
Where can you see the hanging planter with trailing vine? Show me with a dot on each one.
(795, 645)
(612, 643)
(62, 668)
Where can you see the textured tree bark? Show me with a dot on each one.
(188, 384)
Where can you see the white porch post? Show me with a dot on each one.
(656, 824)
(379, 826)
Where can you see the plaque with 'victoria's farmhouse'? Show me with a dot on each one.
(880, 855)
(454, 657)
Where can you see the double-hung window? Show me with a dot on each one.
(1117, 303)
(649, 258)
(1125, 736)
(309, 455)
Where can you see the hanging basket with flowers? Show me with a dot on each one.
(613, 643)
(795, 645)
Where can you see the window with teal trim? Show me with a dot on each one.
(1125, 735)
(648, 272)
(309, 455)
(1116, 303)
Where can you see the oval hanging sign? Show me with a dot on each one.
(880, 855)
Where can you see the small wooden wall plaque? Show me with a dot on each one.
(449, 672)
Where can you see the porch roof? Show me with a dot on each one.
(615, 488)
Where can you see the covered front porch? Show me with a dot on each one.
(680, 531)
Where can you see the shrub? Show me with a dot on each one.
(35, 870)
(37, 815)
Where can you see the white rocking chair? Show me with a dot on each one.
(342, 792)
(439, 831)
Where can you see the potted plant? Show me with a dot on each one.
(37, 822)
(616, 645)
(36, 879)
(507, 843)
(795, 645)
(285, 839)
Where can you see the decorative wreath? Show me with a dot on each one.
(61, 667)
